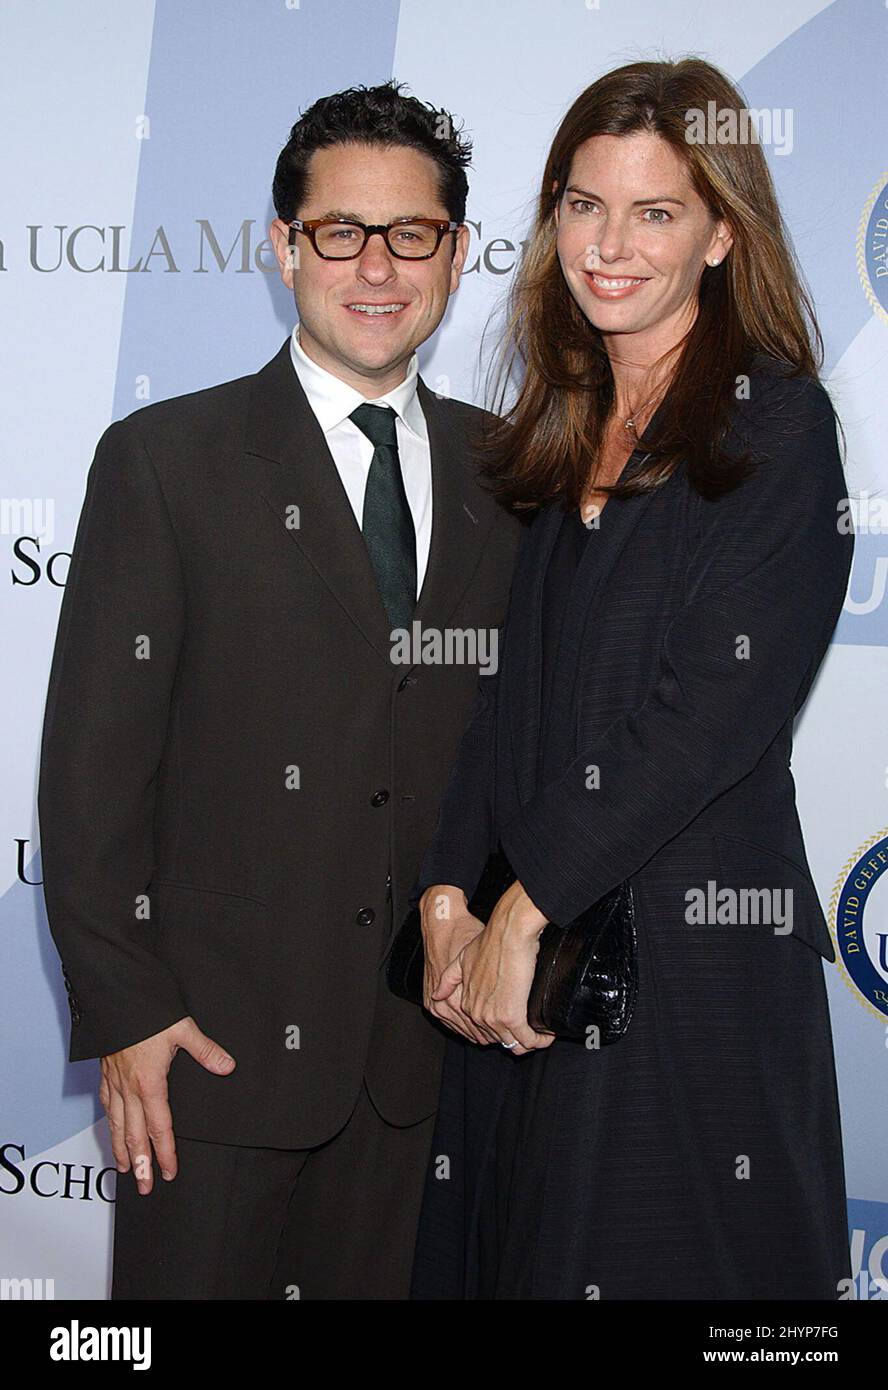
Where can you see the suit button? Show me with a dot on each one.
(365, 917)
(379, 798)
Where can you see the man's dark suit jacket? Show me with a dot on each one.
(228, 747)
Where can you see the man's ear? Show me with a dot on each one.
(285, 253)
(460, 252)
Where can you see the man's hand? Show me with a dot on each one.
(134, 1093)
(447, 926)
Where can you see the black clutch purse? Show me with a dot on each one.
(586, 973)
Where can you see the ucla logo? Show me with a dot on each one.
(872, 249)
(859, 923)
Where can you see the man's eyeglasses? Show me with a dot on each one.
(409, 238)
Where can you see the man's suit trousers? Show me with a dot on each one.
(334, 1222)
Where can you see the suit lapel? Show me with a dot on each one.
(282, 428)
(460, 523)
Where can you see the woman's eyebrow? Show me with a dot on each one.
(638, 203)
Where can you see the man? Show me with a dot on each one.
(238, 778)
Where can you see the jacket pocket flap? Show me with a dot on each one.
(774, 890)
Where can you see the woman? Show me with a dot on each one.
(671, 604)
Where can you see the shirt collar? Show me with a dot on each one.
(333, 400)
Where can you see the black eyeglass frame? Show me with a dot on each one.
(310, 227)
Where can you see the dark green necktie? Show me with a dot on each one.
(387, 524)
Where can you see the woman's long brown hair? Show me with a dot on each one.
(542, 446)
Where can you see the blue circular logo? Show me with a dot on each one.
(859, 922)
(872, 249)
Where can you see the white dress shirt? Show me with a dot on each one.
(333, 401)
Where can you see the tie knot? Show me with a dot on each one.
(377, 422)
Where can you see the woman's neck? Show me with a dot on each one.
(642, 363)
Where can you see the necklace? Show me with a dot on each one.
(630, 424)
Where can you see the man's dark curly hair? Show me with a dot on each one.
(373, 116)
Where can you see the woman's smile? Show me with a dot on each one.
(612, 286)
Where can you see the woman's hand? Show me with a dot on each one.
(447, 926)
(493, 973)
